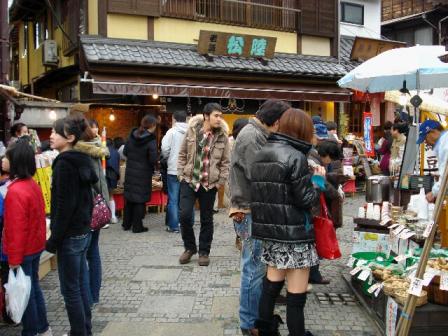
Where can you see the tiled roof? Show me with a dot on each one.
(345, 50)
(185, 56)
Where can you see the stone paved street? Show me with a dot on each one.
(146, 292)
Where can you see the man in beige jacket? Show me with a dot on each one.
(202, 167)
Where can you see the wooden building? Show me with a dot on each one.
(147, 53)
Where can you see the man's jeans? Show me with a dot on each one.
(187, 200)
(34, 320)
(73, 278)
(173, 202)
(252, 273)
(95, 269)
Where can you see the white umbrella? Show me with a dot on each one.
(419, 66)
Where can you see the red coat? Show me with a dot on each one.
(24, 231)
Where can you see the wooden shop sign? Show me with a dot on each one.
(240, 45)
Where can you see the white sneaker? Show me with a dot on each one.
(309, 288)
(106, 226)
(47, 333)
(114, 220)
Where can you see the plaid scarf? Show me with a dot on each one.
(202, 161)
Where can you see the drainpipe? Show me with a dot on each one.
(440, 32)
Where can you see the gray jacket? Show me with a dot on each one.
(171, 145)
(249, 141)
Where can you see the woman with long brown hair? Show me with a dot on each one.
(282, 195)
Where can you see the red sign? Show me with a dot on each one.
(368, 134)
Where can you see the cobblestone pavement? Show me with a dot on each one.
(146, 292)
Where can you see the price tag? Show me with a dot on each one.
(356, 270)
(428, 229)
(407, 235)
(374, 287)
(393, 226)
(401, 258)
(398, 230)
(444, 281)
(385, 220)
(351, 261)
(361, 262)
(364, 274)
(416, 287)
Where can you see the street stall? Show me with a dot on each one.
(399, 260)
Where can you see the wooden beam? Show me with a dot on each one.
(150, 28)
(102, 18)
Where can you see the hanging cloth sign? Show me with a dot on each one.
(368, 134)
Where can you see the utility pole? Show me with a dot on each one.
(4, 63)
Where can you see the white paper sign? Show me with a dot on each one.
(374, 287)
(398, 230)
(356, 270)
(407, 235)
(361, 262)
(416, 287)
(428, 229)
(351, 261)
(393, 226)
(401, 258)
(391, 316)
(444, 281)
(427, 278)
(364, 274)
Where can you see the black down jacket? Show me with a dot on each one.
(141, 153)
(282, 193)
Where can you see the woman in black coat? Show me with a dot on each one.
(282, 195)
(141, 153)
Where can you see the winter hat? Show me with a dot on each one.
(320, 127)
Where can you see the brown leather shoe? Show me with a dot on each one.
(204, 260)
(186, 257)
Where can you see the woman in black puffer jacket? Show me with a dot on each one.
(141, 153)
(282, 195)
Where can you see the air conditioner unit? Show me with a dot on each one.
(50, 53)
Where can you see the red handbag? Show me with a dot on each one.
(326, 241)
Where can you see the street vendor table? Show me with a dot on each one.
(158, 199)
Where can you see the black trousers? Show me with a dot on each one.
(187, 200)
(133, 215)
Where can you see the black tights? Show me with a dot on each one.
(295, 304)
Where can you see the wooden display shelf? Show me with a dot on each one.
(429, 320)
(47, 264)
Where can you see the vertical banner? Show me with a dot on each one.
(368, 134)
(391, 316)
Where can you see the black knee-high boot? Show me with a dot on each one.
(267, 324)
(295, 318)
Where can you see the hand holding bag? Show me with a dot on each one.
(18, 291)
(326, 241)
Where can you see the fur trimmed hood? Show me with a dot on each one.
(92, 148)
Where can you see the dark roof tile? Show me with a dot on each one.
(151, 53)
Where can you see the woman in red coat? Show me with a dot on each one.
(24, 232)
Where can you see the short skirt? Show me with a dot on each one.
(289, 255)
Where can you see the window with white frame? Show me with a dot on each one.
(352, 13)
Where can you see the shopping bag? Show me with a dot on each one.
(17, 295)
(326, 241)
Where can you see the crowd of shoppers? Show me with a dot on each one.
(267, 167)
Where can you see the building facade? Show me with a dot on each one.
(148, 55)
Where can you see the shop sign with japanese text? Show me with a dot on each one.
(368, 134)
(241, 45)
